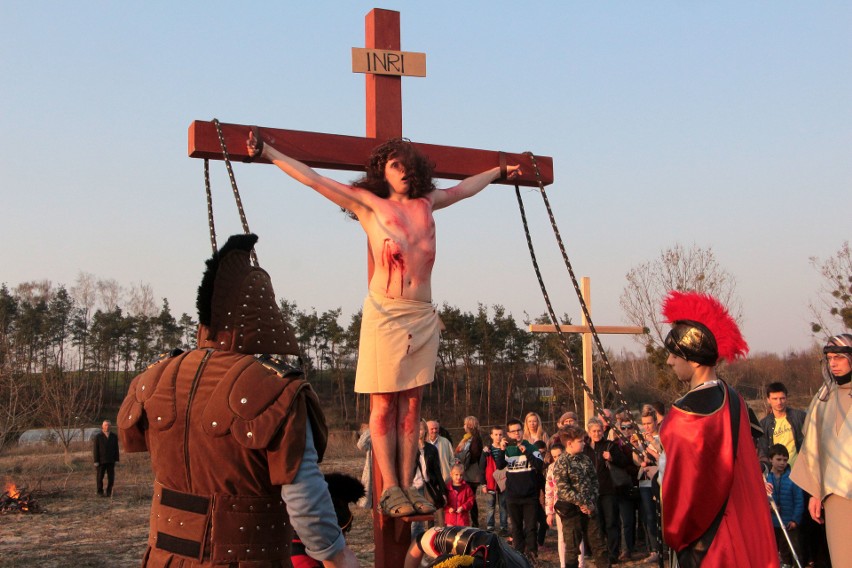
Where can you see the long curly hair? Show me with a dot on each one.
(418, 169)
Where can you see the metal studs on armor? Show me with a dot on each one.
(242, 529)
(243, 400)
(214, 423)
(251, 507)
(230, 551)
(159, 418)
(249, 434)
(143, 387)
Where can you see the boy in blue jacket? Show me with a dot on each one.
(790, 501)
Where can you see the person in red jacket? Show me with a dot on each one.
(494, 490)
(460, 499)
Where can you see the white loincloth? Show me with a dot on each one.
(398, 348)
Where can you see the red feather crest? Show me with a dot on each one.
(707, 310)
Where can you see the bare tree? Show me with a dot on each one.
(109, 293)
(69, 401)
(84, 292)
(696, 270)
(18, 405)
(832, 311)
(142, 302)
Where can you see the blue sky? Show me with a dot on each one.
(723, 124)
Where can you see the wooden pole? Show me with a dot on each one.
(588, 368)
(586, 331)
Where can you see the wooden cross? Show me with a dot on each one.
(586, 330)
(339, 152)
(384, 121)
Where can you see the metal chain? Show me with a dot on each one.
(583, 305)
(596, 402)
(210, 222)
(234, 185)
(566, 353)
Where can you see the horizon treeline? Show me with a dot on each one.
(67, 356)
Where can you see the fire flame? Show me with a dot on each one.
(12, 490)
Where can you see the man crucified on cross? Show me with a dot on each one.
(398, 347)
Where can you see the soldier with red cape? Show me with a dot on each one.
(714, 506)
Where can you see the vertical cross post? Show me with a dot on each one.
(384, 92)
(586, 330)
(340, 152)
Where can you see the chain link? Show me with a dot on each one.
(583, 305)
(596, 401)
(234, 187)
(210, 222)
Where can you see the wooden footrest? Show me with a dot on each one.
(417, 518)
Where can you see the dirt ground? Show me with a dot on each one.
(78, 528)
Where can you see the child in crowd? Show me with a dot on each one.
(459, 499)
(789, 499)
(577, 496)
(556, 450)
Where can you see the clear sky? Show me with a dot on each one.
(723, 124)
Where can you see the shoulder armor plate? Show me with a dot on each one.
(252, 401)
(278, 366)
(162, 357)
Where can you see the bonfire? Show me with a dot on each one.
(14, 500)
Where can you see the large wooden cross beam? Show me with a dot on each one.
(586, 330)
(339, 152)
(384, 121)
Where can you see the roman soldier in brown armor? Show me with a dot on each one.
(235, 437)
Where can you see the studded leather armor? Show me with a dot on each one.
(225, 430)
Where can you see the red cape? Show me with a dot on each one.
(702, 479)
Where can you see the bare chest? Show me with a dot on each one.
(407, 227)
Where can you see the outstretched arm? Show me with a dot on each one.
(469, 187)
(346, 196)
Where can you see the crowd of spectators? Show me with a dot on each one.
(596, 487)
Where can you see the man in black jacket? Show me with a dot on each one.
(604, 454)
(105, 452)
(781, 425)
(433, 488)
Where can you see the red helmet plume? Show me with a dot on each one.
(703, 330)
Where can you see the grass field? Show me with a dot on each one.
(79, 529)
